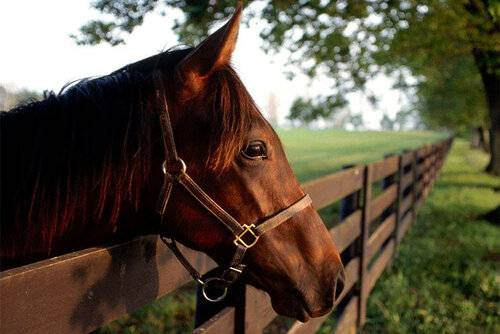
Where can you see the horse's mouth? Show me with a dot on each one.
(296, 307)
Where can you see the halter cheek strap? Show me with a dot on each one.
(246, 236)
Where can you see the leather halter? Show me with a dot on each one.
(246, 236)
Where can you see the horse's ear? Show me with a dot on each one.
(214, 52)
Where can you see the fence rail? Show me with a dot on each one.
(82, 291)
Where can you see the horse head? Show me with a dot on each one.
(233, 153)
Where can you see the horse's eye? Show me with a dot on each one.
(255, 150)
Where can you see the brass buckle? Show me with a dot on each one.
(248, 230)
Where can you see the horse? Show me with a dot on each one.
(89, 165)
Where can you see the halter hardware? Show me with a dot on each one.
(248, 231)
(206, 286)
(246, 236)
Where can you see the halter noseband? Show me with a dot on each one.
(246, 236)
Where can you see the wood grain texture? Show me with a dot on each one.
(331, 188)
(385, 167)
(383, 201)
(365, 231)
(346, 323)
(407, 158)
(258, 311)
(347, 231)
(378, 237)
(404, 226)
(221, 323)
(81, 291)
(405, 204)
(379, 266)
(406, 180)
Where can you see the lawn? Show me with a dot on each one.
(443, 279)
(446, 276)
(313, 153)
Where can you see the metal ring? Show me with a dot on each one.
(182, 169)
(216, 298)
(164, 167)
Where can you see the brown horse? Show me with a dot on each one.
(85, 167)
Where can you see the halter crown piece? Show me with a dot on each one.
(246, 236)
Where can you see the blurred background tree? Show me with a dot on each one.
(10, 98)
(444, 53)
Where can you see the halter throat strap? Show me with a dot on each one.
(246, 236)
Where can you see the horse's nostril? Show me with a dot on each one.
(339, 286)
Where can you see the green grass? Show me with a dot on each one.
(314, 153)
(446, 278)
(442, 280)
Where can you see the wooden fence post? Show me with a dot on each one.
(348, 205)
(414, 165)
(386, 183)
(205, 310)
(399, 199)
(365, 231)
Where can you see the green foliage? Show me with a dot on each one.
(12, 98)
(307, 110)
(350, 42)
(386, 123)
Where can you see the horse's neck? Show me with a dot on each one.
(69, 174)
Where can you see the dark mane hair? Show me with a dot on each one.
(73, 163)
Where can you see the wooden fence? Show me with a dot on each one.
(81, 291)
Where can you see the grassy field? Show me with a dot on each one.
(443, 279)
(313, 153)
(446, 276)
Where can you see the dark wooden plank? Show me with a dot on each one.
(346, 324)
(221, 323)
(383, 201)
(333, 187)
(258, 311)
(378, 237)
(311, 326)
(404, 226)
(347, 231)
(385, 167)
(365, 231)
(423, 151)
(351, 271)
(379, 266)
(407, 158)
(351, 277)
(419, 187)
(406, 180)
(406, 204)
(81, 291)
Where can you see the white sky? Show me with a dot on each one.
(37, 53)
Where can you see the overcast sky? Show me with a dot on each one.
(37, 53)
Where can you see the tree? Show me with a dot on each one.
(11, 98)
(307, 110)
(356, 120)
(386, 123)
(349, 41)
(272, 110)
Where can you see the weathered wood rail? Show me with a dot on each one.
(81, 291)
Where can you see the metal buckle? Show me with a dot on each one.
(239, 238)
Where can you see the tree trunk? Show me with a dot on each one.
(484, 141)
(488, 63)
